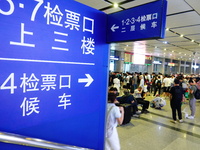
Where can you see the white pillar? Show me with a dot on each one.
(179, 66)
(184, 68)
(119, 64)
(151, 67)
(163, 66)
(191, 67)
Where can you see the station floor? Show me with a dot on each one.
(154, 131)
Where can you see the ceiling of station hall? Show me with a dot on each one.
(182, 37)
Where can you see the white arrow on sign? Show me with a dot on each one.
(114, 27)
(89, 80)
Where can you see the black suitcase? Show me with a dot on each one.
(127, 113)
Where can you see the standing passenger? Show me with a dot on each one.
(153, 79)
(192, 99)
(115, 116)
(134, 82)
(166, 86)
(111, 77)
(176, 98)
(158, 86)
(141, 81)
(128, 80)
(116, 82)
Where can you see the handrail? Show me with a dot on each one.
(35, 142)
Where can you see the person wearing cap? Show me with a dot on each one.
(176, 98)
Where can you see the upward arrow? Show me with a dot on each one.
(114, 27)
(88, 80)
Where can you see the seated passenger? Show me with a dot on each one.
(113, 90)
(140, 100)
(157, 102)
(129, 99)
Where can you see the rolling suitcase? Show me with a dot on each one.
(127, 113)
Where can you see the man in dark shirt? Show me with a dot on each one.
(176, 98)
(129, 99)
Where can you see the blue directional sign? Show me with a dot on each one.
(53, 77)
(138, 23)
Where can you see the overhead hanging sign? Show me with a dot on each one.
(53, 57)
(157, 62)
(138, 23)
(171, 64)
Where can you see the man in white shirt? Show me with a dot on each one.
(141, 82)
(140, 100)
(166, 86)
(128, 81)
(116, 83)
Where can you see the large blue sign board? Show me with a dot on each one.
(54, 65)
(138, 23)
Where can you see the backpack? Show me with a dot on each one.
(109, 127)
(130, 80)
(153, 80)
(197, 94)
(158, 84)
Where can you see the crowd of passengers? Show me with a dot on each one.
(150, 83)
(132, 88)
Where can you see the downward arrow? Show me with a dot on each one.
(87, 80)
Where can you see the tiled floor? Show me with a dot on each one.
(154, 131)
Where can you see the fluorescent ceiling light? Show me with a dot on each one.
(115, 5)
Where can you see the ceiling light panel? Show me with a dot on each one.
(195, 37)
(94, 3)
(195, 50)
(136, 3)
(170, 34)
(186, 43)
(116, 1)
(152, 42)
(173, 39)
(188, 30)
(112, 10)
(194, 4)
(172, 6)
(198, 40)
(177, 49)
(191, 46)
(164, 46)
(184, 19)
